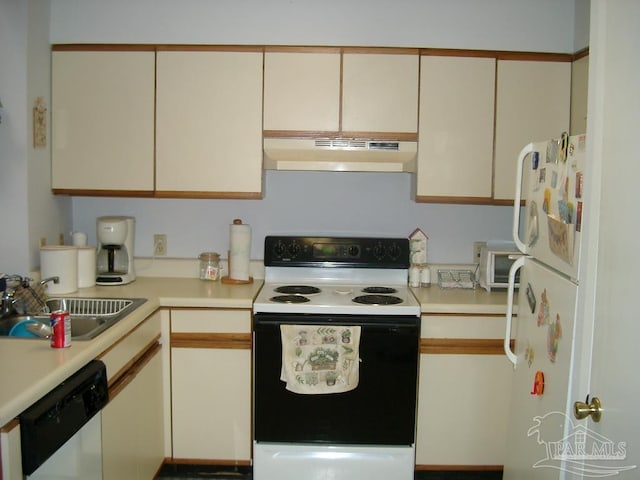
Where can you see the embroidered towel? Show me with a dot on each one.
(320, 358)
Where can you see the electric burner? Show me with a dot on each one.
(379, 290)
(377, 299)
(298, 289)
(289, 299)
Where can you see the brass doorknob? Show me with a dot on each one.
(583, 409)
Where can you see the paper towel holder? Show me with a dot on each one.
(227, 279)
(232, 281)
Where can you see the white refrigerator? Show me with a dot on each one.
(539, 338)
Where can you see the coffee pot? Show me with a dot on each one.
(114, 259)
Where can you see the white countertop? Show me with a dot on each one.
(30, 368)
(459, 300)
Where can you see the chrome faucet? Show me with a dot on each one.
(8, 285)
(55, 280)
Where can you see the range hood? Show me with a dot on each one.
(340, 155)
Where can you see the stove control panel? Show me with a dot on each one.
(363, 252)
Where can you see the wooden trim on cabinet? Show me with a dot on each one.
(535, 56)
(452, 52)
(119, 383)
(133, 361)
(10, 425)
(211, 340)
(102, 193)
(204, 194)
(300, 49)
(382, 50)
(460, 468)
(462, 346)
(102, 47)
(313, 134)
(581, 54)
(456, 200)
(210, 48)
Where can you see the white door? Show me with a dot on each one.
(610, 293)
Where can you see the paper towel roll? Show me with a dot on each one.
(62, 262)
(86, 266)
(239, 250)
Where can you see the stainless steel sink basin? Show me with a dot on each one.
(89, 316)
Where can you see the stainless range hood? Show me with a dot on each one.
(340, 155)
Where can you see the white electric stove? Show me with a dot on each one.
(324, 285)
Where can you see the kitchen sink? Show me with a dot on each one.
(89, 316)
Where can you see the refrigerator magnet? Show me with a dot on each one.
(529, 354)
(538, 384)
(554, 334)
(535, 160)
(579, 217)
(544, 316)
(531, 298)
(579, 180)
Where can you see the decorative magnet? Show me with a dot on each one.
(554, 334)
(538, 384)
(529, 354)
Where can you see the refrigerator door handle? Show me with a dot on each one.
(513, 358)
(518, 198)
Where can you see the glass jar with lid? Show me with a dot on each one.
(209, 266)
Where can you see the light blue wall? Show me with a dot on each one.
(303, 202)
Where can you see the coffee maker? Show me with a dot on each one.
(114, 259)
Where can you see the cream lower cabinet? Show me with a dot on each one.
(455, 149)
(132, 421)
(103, 106)
(10, 452)
(209, 123)
(533, 103)
(463, 393)
(211, 385)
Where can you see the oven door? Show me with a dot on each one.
(380, 411)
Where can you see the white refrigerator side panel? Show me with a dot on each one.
(552, 188)
(543, 333)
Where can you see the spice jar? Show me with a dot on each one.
(209, 266)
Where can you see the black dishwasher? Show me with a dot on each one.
(47, 424)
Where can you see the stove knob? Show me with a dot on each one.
(354, 251)
(394, 251)
(294, 249)
(279, 249)
(378, 251)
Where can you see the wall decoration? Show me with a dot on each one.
(39, 123)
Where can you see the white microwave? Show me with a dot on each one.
(495, 264)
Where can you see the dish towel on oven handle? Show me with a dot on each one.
(320, 359)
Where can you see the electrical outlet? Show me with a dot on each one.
(477, 248)
(43, 241)
(61, 239)
(159, 245)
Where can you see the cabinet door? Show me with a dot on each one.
(132, 427)
(462, 400)
(455, 150)
(380, 92)
(532, 104)
(302, 91)
(103, 120)
(211, 399)
(209, 123)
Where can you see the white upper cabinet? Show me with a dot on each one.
(302, 91)
(103, 120)
(380, 92)
(209, 123)
(455, 149)
(326, 92)
(532, 104)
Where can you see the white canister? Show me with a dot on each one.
(86, 266)
(60, 261)
(79, 239)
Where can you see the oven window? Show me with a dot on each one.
(380, 411)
